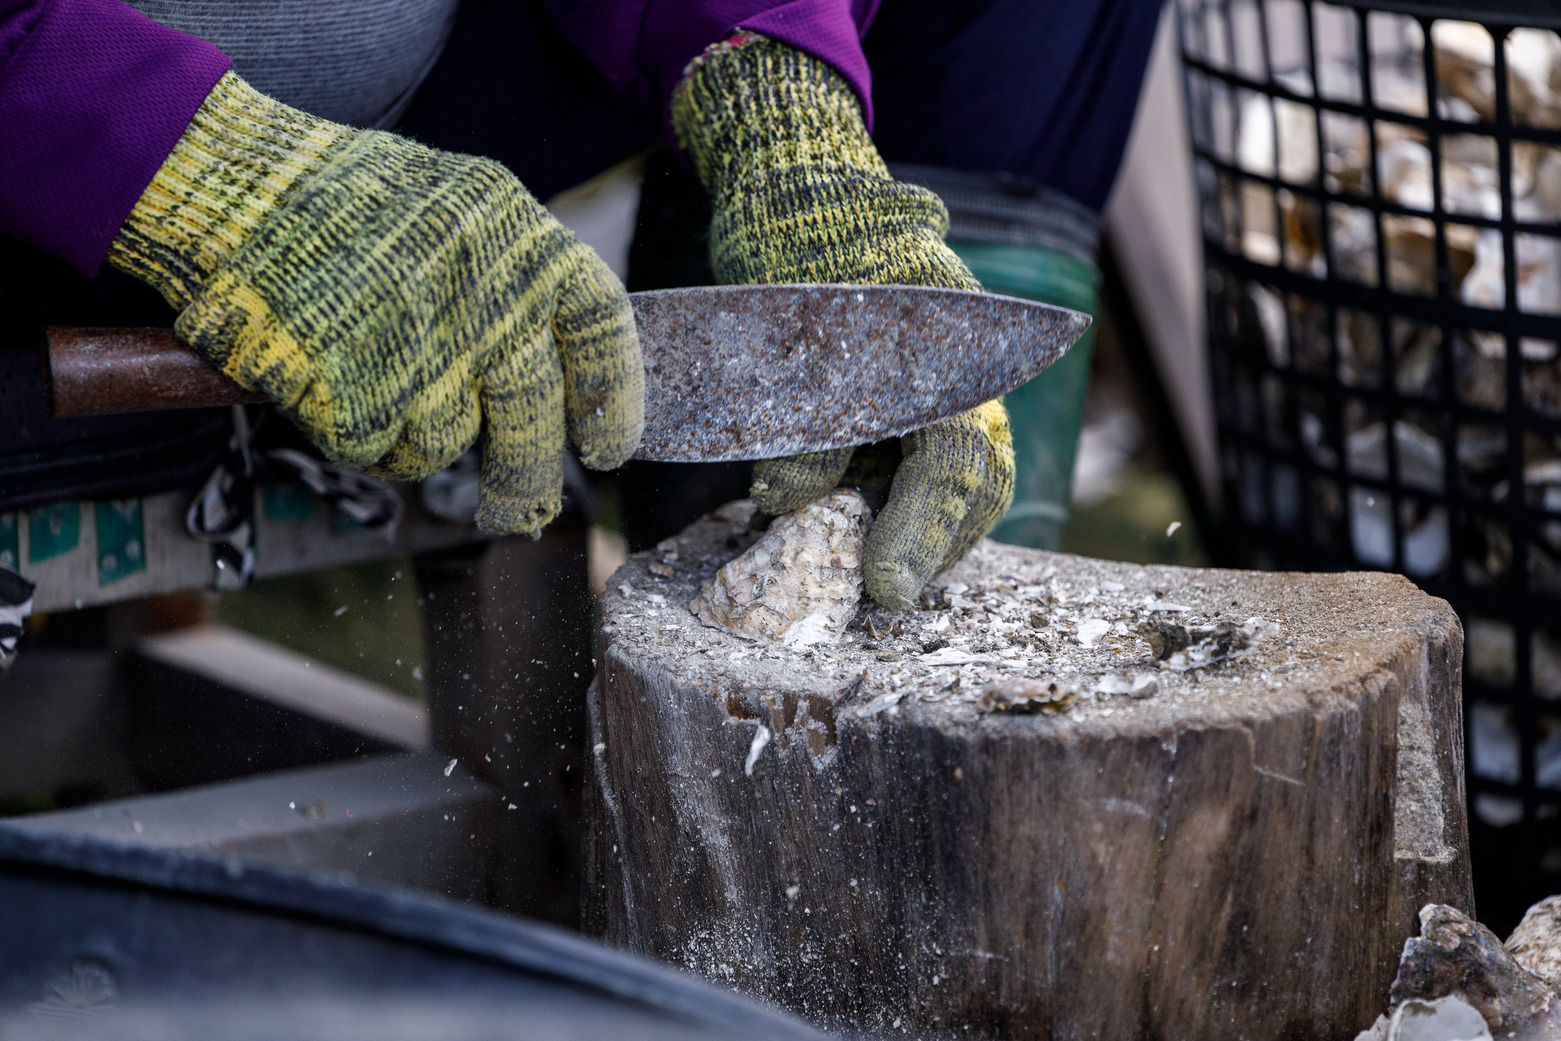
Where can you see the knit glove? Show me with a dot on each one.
(801, 195)
(392, 299)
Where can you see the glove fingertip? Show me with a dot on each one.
(783, 485)
(772, 500)
(604, 374)
(522, 477)
(500, 515)
(594, 456)
(776, 501)
(893, 585)
(608, 434)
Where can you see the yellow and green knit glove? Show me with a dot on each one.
(394, 300)
(800, 194)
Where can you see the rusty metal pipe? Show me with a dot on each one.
(103, 372)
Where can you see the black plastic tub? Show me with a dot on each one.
(99, 940)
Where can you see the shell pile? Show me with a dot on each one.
(1279, 137)
(1306, 146)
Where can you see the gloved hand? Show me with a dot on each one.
(801, 195)
(392, 299)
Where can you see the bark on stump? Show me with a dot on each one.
(1239, 855)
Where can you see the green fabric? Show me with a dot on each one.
(801, 195)
(121, 532)
(1047, 413)
(392, 299)
(53, 531)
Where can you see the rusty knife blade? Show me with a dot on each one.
(755, 372)
(731, 372)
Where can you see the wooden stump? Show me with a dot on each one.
(852, 833)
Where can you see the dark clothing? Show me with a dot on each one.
(1041, 89)
(1045, 89)
(511, 88)
(94, 94)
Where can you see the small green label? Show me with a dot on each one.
(121, 540)
(52, 531)
(10, 547)
(292, 501)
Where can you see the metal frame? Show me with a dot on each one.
(507, 625)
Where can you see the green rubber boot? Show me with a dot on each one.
(1021, 239)
(1046, 413)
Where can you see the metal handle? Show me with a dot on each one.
(104, 372)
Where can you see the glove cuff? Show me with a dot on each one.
(241, 155)
(751, 104)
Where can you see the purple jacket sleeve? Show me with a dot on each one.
(93, 97)
(645, 44)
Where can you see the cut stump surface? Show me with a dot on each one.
(852, 832)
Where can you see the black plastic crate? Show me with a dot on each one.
(1387, 396)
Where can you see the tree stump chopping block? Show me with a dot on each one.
(1068, 799)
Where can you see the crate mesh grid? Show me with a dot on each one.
(1375, 409)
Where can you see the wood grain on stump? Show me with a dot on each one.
(1240, 854)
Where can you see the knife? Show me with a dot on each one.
(731, 372)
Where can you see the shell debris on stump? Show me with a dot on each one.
(1007, 808)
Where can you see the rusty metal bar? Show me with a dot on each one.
(102, 372)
